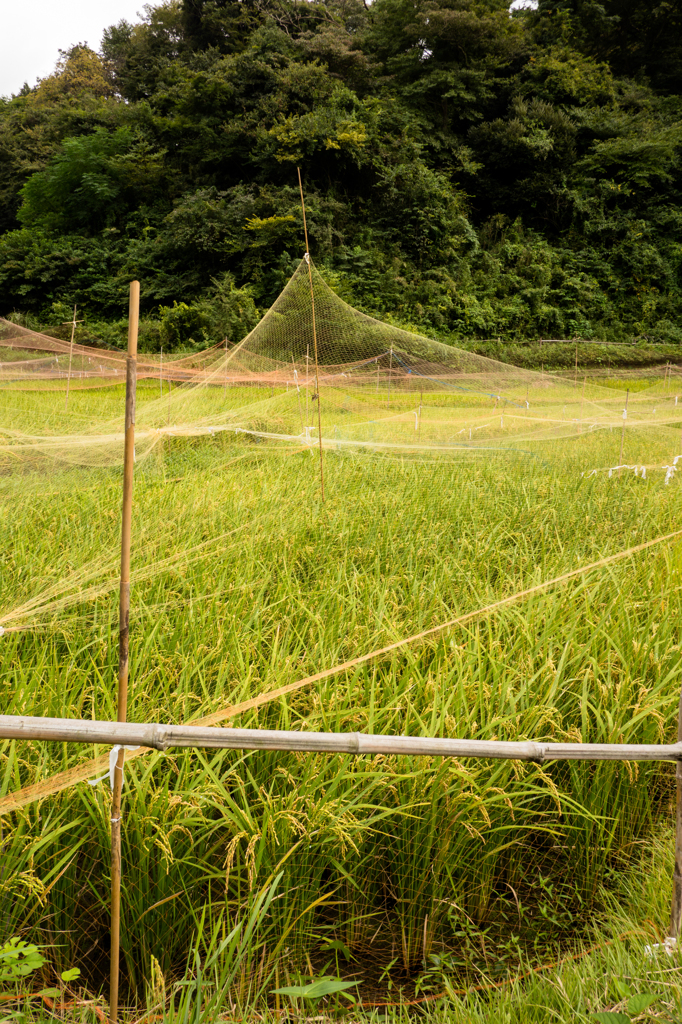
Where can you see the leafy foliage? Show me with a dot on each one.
(467, 172)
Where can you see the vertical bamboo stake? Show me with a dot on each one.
(575, 383)
(582, 402)
(226, 366)
(312, 303)
(421, 397)
(68, 375)
(622, 436)
(298, 392)
(307, 388)
(161, 374)
(123, 641)
(676, 908)
(390, 369)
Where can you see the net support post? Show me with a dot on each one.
(312, 306)
(123, 642)
(676, 903)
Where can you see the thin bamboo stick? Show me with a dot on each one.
(575, 383)
(312, 303)
(157, 736)
(298, 392)
(68, 375)
(390, 370)
(161, 374)
(225, 365)
(123, 641)
(676, 903)
(582, 402)
(622, 436)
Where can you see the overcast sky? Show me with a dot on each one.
(33, 32)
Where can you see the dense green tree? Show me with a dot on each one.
(468, 170)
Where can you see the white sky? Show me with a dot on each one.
(33, 31)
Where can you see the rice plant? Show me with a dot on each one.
(243, 581)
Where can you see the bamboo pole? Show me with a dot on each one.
(157, 736)
(123, 641)
(161, 374)
(622, 436)
(390, 370)
(68, 375)
(312, 303)
(298, 392)
(226, 366)
(582, 402)
(575, 383)
(676, 903)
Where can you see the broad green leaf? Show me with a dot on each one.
(316, 989)
(327, 986)
(611, 1017)
(640, 1002)
(338, 945)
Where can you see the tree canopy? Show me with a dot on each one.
(469, 170)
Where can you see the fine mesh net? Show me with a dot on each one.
(452, 481)
(373, 386)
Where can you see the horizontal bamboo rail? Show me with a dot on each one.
(161, 737)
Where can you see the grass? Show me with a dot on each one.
(244, 581)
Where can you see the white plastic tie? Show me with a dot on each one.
(2, 630)
(625, 414)
(113, 758)
(306, 257)
(669, 947)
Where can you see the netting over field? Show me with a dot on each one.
(469, 574)
(380, 388)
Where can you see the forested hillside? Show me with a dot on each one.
(469, 171)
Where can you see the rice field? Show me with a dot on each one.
(444, 885)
